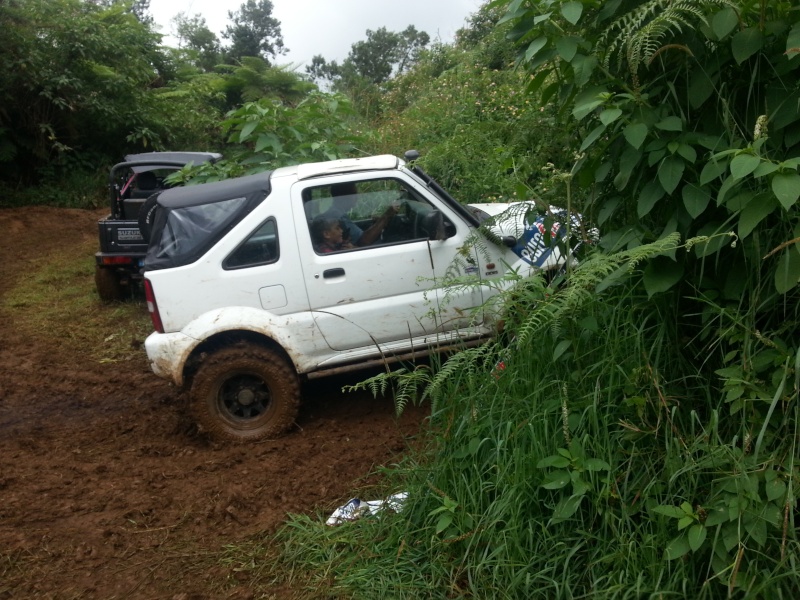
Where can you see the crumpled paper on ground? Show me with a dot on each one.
(357, 508)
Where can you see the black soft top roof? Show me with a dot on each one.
(257, 185)
(168, 159)
(190, 220)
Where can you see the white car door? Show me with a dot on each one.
(386, 291)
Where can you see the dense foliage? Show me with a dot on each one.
(637, 434)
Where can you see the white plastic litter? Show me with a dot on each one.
(356, 508)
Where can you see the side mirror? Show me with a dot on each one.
(509, 240)
(434, 225)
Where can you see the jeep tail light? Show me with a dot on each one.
(150, 296)
(116, 260)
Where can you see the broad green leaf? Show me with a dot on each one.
(610, 115)
(755, 212)
(765, 168)
(555, 460)
(776, 489)
(786, 187)
(249, 127)
(744, 164)
(572, 11)
(790, 164)
(627, 163)
(567, 508)
(592, 137)
(635, 133)
(444, 521)
(787, 275)
(687, 152)
(579, 485)
(583, 66)
(677, 547)
(562, 347)
(596, 464)
(671, 123)
(724, 22)
(655, 157)
(700, 88)
(697, 535)
(712, 170)
(716, 516)
(651, 193)
(739, 201)
(556, 480)
(793, 41)
(746, 43)
(730, 535)
(670, 173)
(587, 101)
(669, 511)
(536, 82)
(757, 528)
(534, 47)
(729, 184)
(268, 139)
(695, 199)
(602, 171)
(660, 274)
(567, 47)
(685, 522)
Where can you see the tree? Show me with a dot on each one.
(382, 55)
(75, 76)
(255, 79)
(202, 45)
(254, 32)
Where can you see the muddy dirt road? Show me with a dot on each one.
(108, 491)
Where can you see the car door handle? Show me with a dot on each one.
(331, 273)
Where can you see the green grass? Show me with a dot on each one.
(55, 305)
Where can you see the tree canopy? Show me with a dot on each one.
(254, 32)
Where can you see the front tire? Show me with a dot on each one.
(245, 393)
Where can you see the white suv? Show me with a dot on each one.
(315, 269)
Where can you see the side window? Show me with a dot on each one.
(352, 215)
(260, 248)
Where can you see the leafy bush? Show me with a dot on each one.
(584, 459)
(268, 134)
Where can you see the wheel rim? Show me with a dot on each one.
(244, 399)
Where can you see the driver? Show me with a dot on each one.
(345, 197)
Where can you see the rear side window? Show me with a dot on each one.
(260, 248)
(189, 228)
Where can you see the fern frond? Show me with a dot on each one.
(639, 35)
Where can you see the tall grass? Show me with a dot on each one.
(603, 459)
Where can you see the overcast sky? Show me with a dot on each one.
(329, 27)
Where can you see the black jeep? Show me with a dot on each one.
(122, 243)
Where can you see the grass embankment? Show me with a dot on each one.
(608, 459)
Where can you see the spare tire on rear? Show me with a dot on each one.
(147, 215)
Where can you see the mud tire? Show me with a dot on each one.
(245, 393)
(108, 284)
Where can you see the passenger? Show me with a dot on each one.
(345, 197)
(327, 235)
